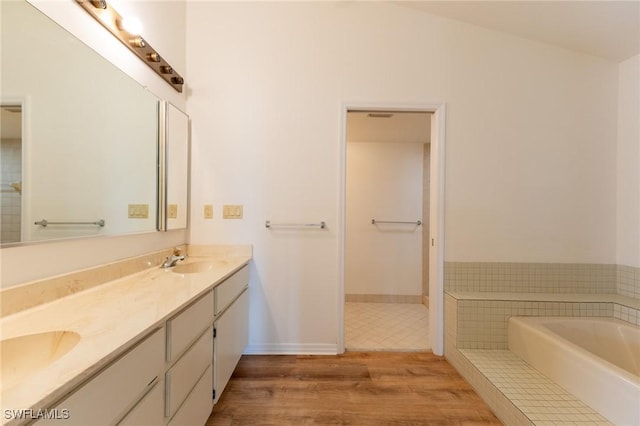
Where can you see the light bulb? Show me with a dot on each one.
(131, 24)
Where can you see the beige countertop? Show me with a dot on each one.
(110, 318)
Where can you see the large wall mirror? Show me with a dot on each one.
(79, 137)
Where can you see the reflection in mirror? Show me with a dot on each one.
(176, 168)
(11, 175)
(89, 141)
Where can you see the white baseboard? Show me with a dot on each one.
(291, 349)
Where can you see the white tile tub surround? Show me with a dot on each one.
(578, 278)
(516, 392)
(531, 277)
(480, 299)
(482, 324)
(627, 314)
(490, 293)
(503, 408)
(596, 359)
(541, 400)
(628, 281)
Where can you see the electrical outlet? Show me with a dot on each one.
(232, 211)
(208, 211)
(138, 211)
(172, 211)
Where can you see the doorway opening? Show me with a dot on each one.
(11, 179)
(391, 289)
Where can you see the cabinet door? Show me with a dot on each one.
(232, 335)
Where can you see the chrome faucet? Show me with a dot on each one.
(171, 261)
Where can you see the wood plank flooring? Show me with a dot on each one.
(357, 388)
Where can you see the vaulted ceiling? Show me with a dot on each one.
(608, 29)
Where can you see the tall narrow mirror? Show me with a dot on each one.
(174, 185)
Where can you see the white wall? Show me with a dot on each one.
(628, 194)
(530, 167)
(384, 182)
(165, 29)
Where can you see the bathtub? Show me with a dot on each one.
(595, 359)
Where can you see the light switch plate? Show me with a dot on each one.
(138, 211)
(232, 211)
(208, 211)
(172, 211)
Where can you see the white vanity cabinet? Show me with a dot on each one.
(127, 389)
(231, 327)
(175, 373)
(188, 387)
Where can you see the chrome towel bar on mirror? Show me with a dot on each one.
(320, 225)
(417, 222)
(45, 222)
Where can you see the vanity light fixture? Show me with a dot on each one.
(109, 18)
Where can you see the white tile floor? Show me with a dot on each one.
(386, 327)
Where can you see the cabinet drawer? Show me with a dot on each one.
(198, 405)
(231, 288)
(183, 376)
(149, 410)
(185, 327)
(112, 392)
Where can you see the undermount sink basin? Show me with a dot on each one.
(192, 268)
(22, 356)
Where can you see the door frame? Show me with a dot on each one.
(436, 209)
